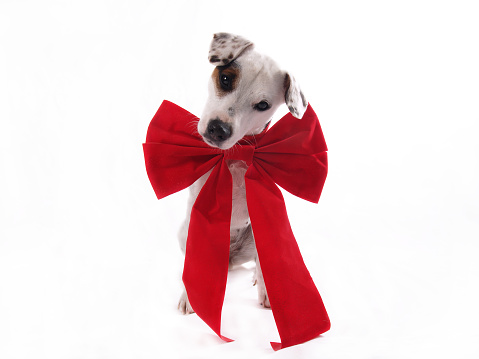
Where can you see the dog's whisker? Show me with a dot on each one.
(232, 149)
(249, 142)
(193, 125)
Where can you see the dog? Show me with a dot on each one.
(244, 91)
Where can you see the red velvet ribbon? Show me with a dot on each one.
(291, 154)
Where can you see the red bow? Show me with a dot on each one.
(292, 154)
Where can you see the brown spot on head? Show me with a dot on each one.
(226, 78)
(214, 59)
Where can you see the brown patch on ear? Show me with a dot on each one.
(232, 71)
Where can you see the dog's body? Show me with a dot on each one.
(245, 90)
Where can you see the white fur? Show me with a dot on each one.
(260, 79)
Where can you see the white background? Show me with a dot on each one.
(89, 262)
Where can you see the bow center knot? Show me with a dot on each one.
(240, 152)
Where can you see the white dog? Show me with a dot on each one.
(244, 91)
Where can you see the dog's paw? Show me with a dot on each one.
(184, 304)
(258, 281)
(263, 299)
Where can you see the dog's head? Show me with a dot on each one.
(244, 91)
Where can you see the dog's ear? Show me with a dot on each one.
(294, 97)
(226, 48)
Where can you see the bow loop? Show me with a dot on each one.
(175, 156)
(241, 152)
(293, 154)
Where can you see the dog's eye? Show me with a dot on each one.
(225, 82)
(262, 106)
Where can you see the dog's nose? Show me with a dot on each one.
(218, 131)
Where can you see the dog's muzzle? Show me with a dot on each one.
(218, 131)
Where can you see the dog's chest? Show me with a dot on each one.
(239, 214)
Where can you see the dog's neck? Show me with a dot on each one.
(259, 130)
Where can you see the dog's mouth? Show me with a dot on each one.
(224, 140)
(222, 145)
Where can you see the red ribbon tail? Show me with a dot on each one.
(297, 306)
(207, 248)
(227, 340)
(276, 346)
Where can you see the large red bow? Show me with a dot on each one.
(292, 154)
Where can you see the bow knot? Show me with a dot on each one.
(291, 154)
(240, 152)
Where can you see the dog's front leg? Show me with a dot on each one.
(184, 304)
